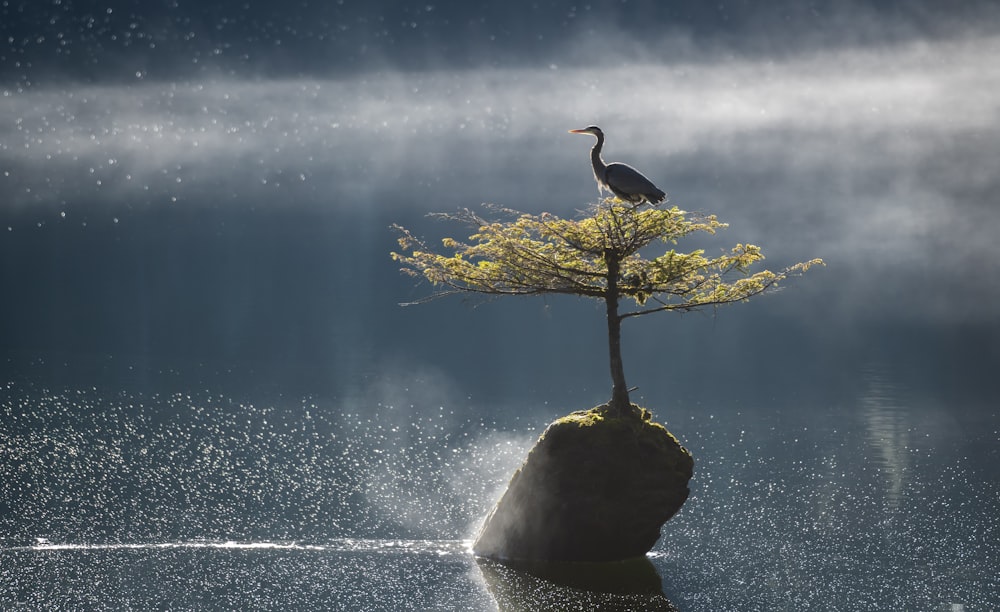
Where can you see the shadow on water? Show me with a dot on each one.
(625, 585)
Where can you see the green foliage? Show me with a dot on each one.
(538, 254)
(598, 414)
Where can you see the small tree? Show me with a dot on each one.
(598, 255)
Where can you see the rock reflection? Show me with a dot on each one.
(625, 585)
(885, 421)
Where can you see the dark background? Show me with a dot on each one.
(111, 40)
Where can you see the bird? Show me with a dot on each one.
(620, 179)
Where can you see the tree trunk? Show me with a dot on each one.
(619, 391)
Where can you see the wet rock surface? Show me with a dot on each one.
(596, 487)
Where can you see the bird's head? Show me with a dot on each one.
(593, 130)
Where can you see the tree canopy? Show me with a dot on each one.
(601, 255)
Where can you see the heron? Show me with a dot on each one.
(623, 180)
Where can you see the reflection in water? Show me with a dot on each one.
(626, 585)
(885, 422)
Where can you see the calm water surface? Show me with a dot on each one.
(199, 501)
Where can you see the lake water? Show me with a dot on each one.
(210, 398)
(138, 500)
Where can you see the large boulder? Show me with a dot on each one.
(597, 486)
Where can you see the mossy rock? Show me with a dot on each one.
(597, 486)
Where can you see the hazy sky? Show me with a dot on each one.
(161, 141)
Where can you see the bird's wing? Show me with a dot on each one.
(626, 179)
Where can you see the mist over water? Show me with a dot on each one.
(205, 373)
(248, 219)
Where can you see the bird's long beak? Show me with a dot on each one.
(579, 132)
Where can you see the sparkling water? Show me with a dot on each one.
(202, 501)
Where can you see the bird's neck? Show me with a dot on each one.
(595, 158)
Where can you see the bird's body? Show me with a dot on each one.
(622, 180)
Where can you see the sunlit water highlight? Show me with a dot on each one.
(343, 545)
(200, 500)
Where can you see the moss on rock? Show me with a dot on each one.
(597, 486)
